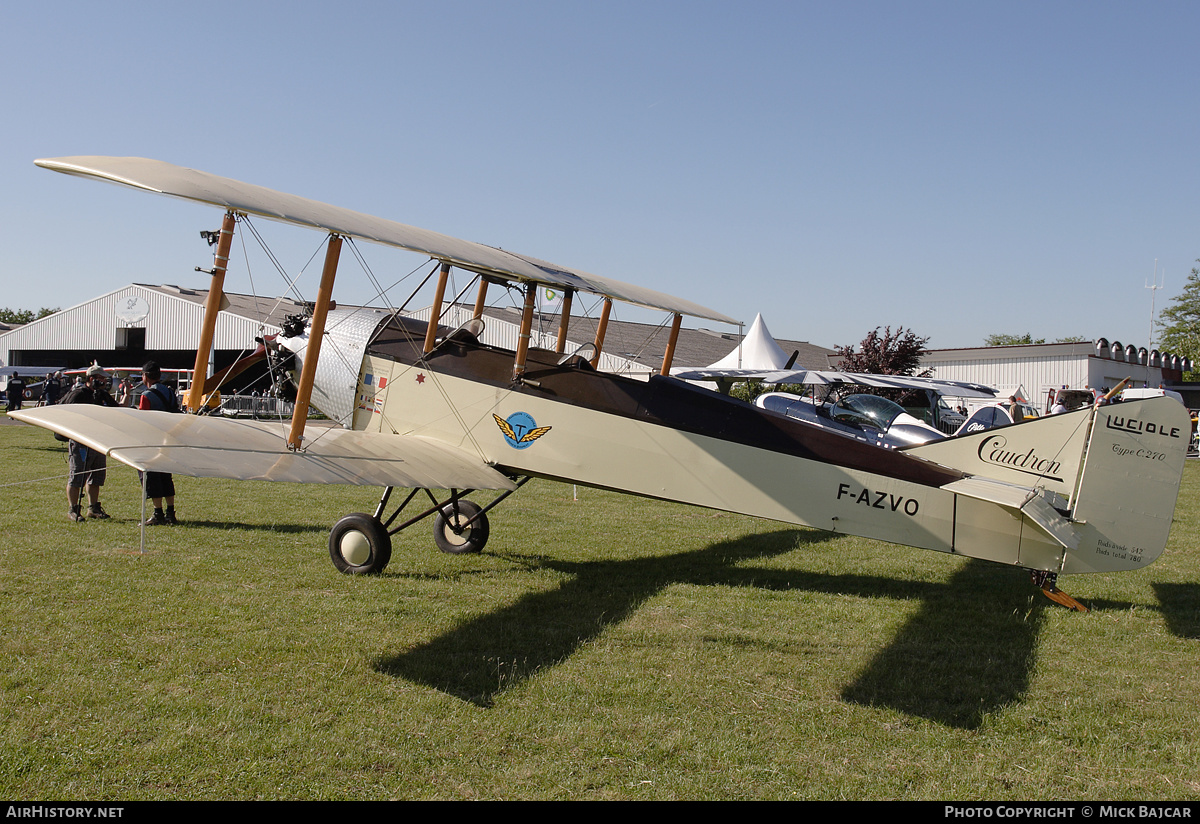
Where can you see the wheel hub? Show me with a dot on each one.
(355, 548)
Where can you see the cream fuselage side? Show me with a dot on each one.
(666, 439)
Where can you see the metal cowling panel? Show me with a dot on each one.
(347, 332)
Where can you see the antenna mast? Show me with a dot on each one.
(1154, 286)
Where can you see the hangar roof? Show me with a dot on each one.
(177, 311)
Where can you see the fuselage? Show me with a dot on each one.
(664, 438)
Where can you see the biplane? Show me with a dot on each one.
(421, 406)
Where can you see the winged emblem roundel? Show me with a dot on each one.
(520, 429)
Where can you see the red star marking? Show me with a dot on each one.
(420, 378)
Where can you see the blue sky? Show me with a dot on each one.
(958, 168)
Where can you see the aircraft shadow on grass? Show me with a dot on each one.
(232, 526)
(1180, 607)
(970, 649)
(967, 652)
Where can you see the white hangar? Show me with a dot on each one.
(130, 325)
(1034, 369)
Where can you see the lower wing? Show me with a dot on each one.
(209, 447)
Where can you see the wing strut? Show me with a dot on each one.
(313, 351)
(481, 298)
(669, 355)
(601, 330)
(212, 307)
(435, 311)
(526, 328)
(563, 318)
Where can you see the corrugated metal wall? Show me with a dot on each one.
(173, 323)
(1076, 368)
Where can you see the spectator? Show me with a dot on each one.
(87, 467)
(51, 388)
(157, 396)
(16, 392)
(1014, 409)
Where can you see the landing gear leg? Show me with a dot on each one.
(1045, 581)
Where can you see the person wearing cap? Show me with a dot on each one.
(87, 467)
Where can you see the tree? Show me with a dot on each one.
(892, 353)
(1010, 340)
(24, 315)
(1019, 340)
(1179, 323)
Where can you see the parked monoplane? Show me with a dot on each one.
(871, 419)
(922, 398)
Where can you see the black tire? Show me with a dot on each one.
(470, 539)
(359, 545)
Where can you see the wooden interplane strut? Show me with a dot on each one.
(601, 330)
(313, 351)
(669, 355)
(212, 308)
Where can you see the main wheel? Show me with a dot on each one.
(450, 534)
(359, 545)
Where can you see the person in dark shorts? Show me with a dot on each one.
(155, 395)
(86, 466)
(16, 392)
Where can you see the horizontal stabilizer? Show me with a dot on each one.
(211, 447)
(1033, 503)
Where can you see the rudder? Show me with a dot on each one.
(1129, 484)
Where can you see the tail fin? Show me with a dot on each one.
(1129, 484)
(1115, 469)
(983, 419)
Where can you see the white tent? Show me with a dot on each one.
(758, 350)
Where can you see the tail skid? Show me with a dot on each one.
(1047, 583)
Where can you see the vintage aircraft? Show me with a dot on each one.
(868, 418)
(876, 419)
(425, 407)
(925, 397)
(845, 402)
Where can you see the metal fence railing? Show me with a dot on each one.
(255, 406)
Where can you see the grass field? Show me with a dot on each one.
(601, 648)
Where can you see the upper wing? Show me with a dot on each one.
(824, 377)
(211, 447)
(190, 184)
